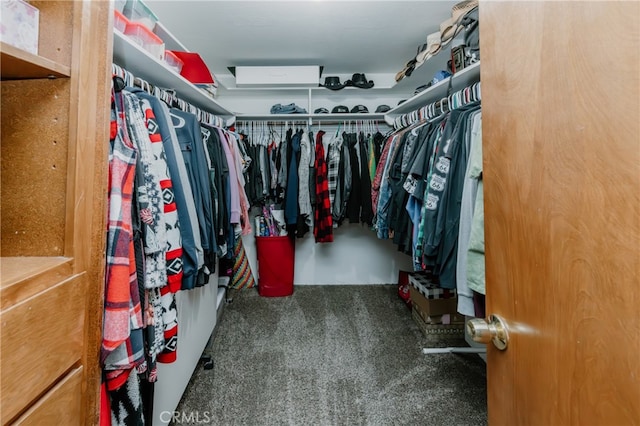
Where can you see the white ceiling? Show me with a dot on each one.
(345, 37)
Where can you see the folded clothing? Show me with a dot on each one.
(287, 109)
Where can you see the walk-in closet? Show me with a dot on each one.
(326, 212)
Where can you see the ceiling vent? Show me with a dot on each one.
(286, 76)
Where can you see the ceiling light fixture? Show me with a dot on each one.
(277, 76)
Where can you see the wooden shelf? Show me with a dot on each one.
(141, 64)
(22, 277)
(20, 64)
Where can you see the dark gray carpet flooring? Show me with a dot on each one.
(332, 355)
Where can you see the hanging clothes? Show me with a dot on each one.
(441, 218)
(340, 177)
(149, 195)
(218, 179)
(475, 260)
(291, 199)
(122, 343)
(304, 197)
(192, 257)
(122, 310)
(467, 210)
(366, 210)
(238, 182)
(323, 221)
(190, 139)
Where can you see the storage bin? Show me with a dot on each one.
(120, 21)
(146, 39)
(276, 259)
(137, 11)
(173, 61)
(119, 5)
(20, 25)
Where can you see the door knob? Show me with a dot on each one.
(492, 329)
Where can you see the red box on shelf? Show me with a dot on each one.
(142, 36)
(173, 61)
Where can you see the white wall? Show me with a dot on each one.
(260, 102)
(356, 256)
(196, 320)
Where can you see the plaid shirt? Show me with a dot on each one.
(375, 186)
(323, 221)
(122, 347)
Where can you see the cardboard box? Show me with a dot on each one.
(432, 307)
(438, 332)
(20, 24)
(441, 319)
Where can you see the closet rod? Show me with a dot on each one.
(167, 95)
(467, 95)
(329, 122)
(336, 117)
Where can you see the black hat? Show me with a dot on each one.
(383, 108)
(339, 109)
(359, 80)
(333, 83)
(359, 109)
(321, 111)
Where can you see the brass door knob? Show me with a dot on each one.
(493, 330)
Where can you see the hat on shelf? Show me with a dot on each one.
(359, 80)
(359, 109)
(422, 88)
(451, 27)
(383, 108)
(439, 76)
(321, 111)
(407, 70)
(431, 48)
(339, 109)
(333, 83)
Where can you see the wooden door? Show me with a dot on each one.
(561, 140)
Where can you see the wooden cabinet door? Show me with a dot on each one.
(561, 140)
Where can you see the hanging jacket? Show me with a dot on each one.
(366, 211)
(149, 195)
(192, 255)
(189, 136)
(291, 198)
(122, 341)
(323, 223)
(304, 198)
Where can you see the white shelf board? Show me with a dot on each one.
(220, 298)
(141, 64)
(459, 80)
